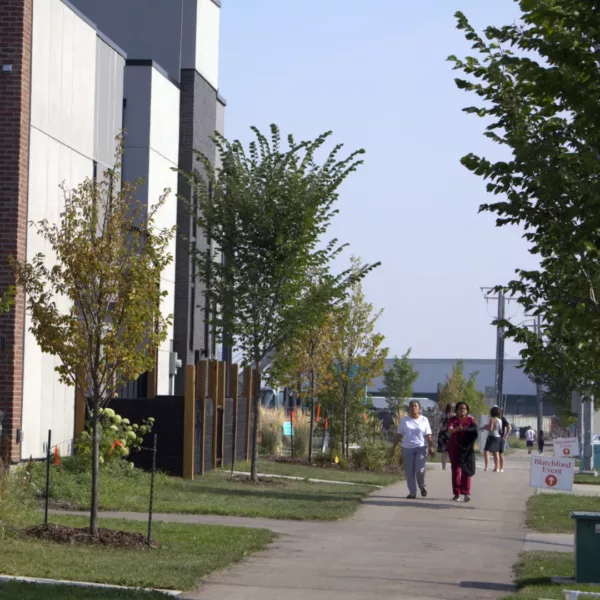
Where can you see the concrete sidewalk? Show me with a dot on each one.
(395, 548)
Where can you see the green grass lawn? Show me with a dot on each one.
(589, 479)
(534, 571)
(549, 513)
(214, 494)
(30, 591)
(187, 553)
(272, 467)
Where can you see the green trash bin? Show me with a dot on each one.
(597, 456)
(587, 546)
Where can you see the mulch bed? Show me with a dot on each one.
(389, 470)
(58, 504)
(266, 481)
(80, 535)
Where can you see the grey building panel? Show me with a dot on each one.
(435, 371)
(138, 95)
(142, 32)
(136, 165)
(110, 68)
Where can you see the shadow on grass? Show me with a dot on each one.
(534, 581)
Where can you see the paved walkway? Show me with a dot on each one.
(395, 548)
(276, 525)
(291, 477)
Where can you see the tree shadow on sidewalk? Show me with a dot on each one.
(379, 501)
(486, 585)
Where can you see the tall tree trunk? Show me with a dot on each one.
(95, 467)
(312, 415)
(256, 428)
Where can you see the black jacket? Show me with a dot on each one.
(467, 449)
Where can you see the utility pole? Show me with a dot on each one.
(499, 380)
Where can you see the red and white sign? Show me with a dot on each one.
(552, 473)
(566, 447)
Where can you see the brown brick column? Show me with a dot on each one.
(15, 100)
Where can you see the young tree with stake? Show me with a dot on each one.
(266, 210)
(306, 361)
(358, 354)
(98, 308)
(398, 382)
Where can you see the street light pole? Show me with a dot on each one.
(538, 385)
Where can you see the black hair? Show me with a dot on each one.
(448, 408)
(460, 404)
(495, 412)
(414, 402)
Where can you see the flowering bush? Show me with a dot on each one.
(118, 437)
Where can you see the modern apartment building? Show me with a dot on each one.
(179, 38)
(61, 98)
(72, 76)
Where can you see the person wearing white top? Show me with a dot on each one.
(530, 438)
(415, 433)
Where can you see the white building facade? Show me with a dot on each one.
(76, 114)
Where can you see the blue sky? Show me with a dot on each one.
(375, 73)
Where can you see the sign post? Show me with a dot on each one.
(566, 447)
(552, 473)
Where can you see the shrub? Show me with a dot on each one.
(301, 433)
(371, 456)
(17, 503)
(271, 431)
(118, 437)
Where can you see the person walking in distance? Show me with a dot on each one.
(492, 444)
(463, 431)
(444, 436)
(541, 441)
(530, 438)
(504, 433)
(415, 432)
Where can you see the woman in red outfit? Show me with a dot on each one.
(461, 448)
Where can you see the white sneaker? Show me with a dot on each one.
(501, 470)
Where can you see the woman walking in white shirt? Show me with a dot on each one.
(415, 432)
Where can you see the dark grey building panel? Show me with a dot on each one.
(144, 28)
(198, 123)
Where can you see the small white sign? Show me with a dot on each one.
(552, 473)
(597, 528)
(566, 447)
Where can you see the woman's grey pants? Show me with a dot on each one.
(414, 460)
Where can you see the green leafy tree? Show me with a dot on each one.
(459, 388)
(266, 210)
(358, 356)
(98, 308)
(304, 363)
(7, 300)
(398, 381)
(538, 85)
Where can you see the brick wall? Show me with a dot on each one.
(15, 50)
